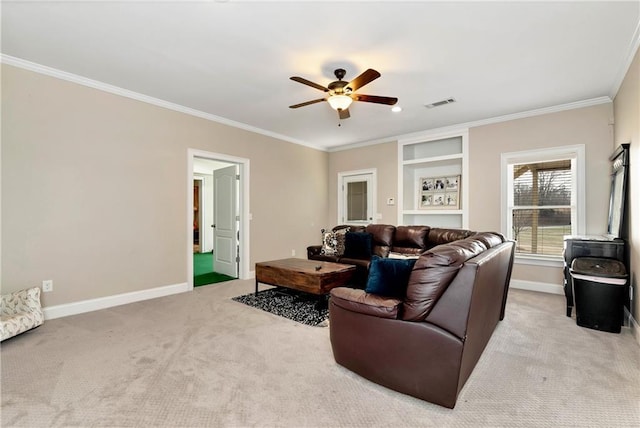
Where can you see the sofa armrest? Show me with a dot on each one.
(365, 303)
(313, 250)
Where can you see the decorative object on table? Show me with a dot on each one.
(292, 304)
(441, 192)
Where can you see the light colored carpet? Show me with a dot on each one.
(200, 359)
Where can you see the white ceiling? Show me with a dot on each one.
(231, 61)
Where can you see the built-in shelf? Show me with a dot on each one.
(432, 156)
(432, 212)
(447, 159)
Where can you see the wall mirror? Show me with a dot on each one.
(619, 173)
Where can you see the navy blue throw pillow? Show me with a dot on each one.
(389, 277)
(357, 245)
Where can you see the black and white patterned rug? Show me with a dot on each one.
(292, 304)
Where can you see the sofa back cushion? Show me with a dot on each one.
(432, 274)
(348, 228)
(410, 239)
(382, 236)
(438, 236)
(489, 239)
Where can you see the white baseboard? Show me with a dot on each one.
(67, 309)
(542, 287)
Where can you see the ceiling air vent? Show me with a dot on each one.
(440, 103)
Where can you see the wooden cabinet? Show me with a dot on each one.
(433, 180)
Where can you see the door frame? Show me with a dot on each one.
(373, 173)
(243, 198)
(201, 210)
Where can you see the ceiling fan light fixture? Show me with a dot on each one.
(339, 102)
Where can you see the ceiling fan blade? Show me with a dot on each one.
(375, 99)
(309, 83)
(307, 103)
(367, 77)
(344, 114)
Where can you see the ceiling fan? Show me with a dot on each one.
(341, 93)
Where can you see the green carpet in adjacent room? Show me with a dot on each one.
(203, 273)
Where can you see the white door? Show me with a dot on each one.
(225, 221)
(357, 198)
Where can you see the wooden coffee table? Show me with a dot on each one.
(310, 276)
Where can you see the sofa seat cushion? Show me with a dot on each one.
(362, 302)
(432, 274)
(403, 256)
(389, 277)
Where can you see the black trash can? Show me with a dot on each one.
(599, 287)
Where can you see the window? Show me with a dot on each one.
(543, 199)
(356, 197)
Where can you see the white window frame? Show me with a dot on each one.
(578, 193)
(372, 193)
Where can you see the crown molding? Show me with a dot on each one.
(624, 69)
(116, 90)
(53, 72)
(467, 125)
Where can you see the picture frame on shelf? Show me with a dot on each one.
(441, 192)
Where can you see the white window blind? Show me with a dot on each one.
(542, 200)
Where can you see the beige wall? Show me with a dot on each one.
(626, 108)
(94, 189)
(588, 126)
(383, 157)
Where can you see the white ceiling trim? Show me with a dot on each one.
(624, 68)
(476, 123)
(95, 84)
(38, 68)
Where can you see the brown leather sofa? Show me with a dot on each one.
(386, 239)
(427, 343)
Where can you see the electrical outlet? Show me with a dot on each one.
(293, 253)
(47, 285)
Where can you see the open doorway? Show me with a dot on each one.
(218, 218)
(198, 184)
